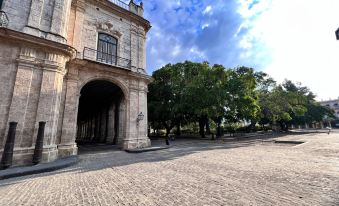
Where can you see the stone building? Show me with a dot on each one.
(78, 65)
(332, 104)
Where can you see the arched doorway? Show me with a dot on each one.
(100, 113)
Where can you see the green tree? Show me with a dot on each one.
(162, 99)
(242, 101)
(190, 92)
(290, 103)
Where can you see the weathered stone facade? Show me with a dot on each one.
(49, 53)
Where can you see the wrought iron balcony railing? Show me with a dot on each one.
(3, 19)
(120, 3)
(105, 58)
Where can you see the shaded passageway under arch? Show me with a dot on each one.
(99, 115)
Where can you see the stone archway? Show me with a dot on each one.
(131, 134)
(101, 113)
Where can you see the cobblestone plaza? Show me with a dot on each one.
(192, 172)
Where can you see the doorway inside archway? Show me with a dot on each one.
(99, 112)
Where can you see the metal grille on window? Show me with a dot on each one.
(107, 49)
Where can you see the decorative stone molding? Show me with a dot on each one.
(35, 42)
(53, 60)
(117, 81)
(27, 53)
(79, 4)
(52, 57)
(108, 28)
(33, 57)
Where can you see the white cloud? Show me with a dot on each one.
(196, 53)
(208, 10)
(246, 42)
(300, 37)
(246, 10)
(176, 50)
(204, 26)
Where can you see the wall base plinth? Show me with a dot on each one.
(141, 142)
(66, 150)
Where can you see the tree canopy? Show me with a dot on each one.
(189, 92)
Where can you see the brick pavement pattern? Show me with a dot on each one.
(251, 172)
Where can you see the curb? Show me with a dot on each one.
(149, 149)
(288, 142)
(40, 168)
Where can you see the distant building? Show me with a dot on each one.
(333, 104)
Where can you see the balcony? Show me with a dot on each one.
(132, 7)
(105, 58)
(120, 3)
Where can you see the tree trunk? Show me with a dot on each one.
(283, 126)
(252, 126)
(149, 130)
(202, 127)
(168, 131)
(207, 123)
(219, 128)
(178, 128)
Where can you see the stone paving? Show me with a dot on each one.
(250, 172)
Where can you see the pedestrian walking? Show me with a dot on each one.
(329, 130)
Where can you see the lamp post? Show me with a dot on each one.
(337, 34)
(3, 18)
(140, 117)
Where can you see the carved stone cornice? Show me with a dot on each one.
(37, 42)
(37, 58)
(79, 5)
(82, 64)
(141, 76)
(123, 13)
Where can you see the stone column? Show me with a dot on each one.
(110, 124)
(78, 24)
(134, 47)
(23, 104)
(131, 140)
(142, 49)
(142, 127)
(49, 104)
(67, 144)
(136, 134)
(123, 124)
(34, 18)
(103, 125)
(58, 30)
(21, 93)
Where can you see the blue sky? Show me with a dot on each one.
(291, 39)
(212, 30)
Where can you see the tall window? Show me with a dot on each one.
(107, 49)
(1, 4)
